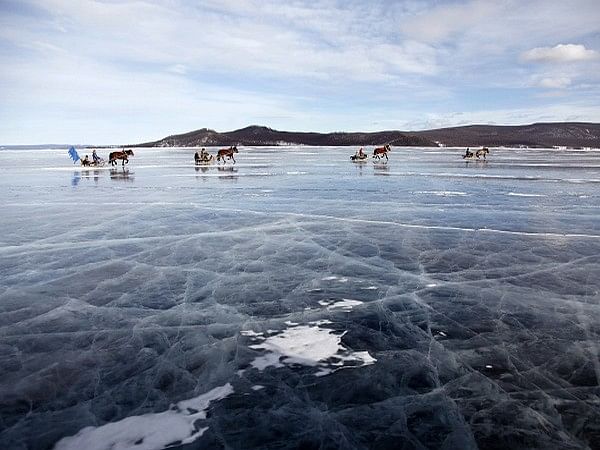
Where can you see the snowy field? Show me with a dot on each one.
(297, 300)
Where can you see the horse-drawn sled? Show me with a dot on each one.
(203, 158)
(477, 155)
(378, 153)
(96, 161)
(359, 156)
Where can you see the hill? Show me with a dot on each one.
(262, 136)
(569, 134)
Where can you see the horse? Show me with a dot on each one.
(221, 154)
(113, 156)
(482, 152)
(378, 152)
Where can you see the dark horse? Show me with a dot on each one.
(482, 152)
(221, 154)
(382, 151)
(124, 155)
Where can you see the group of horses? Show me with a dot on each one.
(378, 154)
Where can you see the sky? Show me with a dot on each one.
(123, 72)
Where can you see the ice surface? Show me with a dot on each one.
(462, 298)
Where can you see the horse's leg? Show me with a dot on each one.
(233, 159)
(386, 156)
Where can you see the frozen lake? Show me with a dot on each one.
(299, 300)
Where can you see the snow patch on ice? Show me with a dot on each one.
(519, 194)
(346, 304)
(442, 193)
(149, 431)
(309, 345)
(249, 333)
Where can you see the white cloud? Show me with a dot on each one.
(554, 82)
(441, 23)
(319, 41)
(559, 54)
(179, 69)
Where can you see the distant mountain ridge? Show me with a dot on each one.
(568, 134)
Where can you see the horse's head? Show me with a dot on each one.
(129, 152)
(234, 149)
(388, 148)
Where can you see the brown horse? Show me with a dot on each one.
(124, 155)
(221, 154)
(382, 151)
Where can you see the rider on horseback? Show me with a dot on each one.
(468, 153)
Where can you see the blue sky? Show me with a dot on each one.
(108, 71)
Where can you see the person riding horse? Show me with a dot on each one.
(468, 154)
